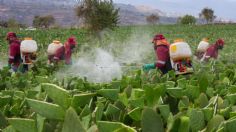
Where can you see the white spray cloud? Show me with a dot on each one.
(100, 68)
(136, 49)
(103, 65)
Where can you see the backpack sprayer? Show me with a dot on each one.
(28, 50)
(180, 54)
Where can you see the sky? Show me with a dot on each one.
(223, 8)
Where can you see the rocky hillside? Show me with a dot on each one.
(63, 10)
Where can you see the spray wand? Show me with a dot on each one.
(123, 65)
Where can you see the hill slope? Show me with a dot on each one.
(63, 10)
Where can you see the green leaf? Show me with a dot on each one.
(86, 111)
(184, 124)
(86, 121)
(32, 94)
(116, 84)
(48, 110)
(151, 121)
(153, 94)
(202, 100)
(82, 99)
(230, 125)
(123, 98)
(183, 103)
(99, 111)
(59, 95)
(23, 125)
(170, 84)
(196, 120)
(192, 92)
(93, 128)
(137, 93)
(165, 111)
(41, 79)
(40, 123)
(231, 98)
(3, 121)
(226, 112)
(214, 123)
(175, 92)
(105, 126)
(232, 89)
(5, 100)
(125, 129)
(182, 83)
(72, 122)
(135, 114)
(203, 82)
(208, 113)
(19, 94)
(111, 109)
(9, 129)
(111, 94)
(137, 103)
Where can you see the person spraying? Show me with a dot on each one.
(14, 59)
(57, 51)
(28, 50)
(201, 49)
(180, 54)
(213, 50)
(161, 47)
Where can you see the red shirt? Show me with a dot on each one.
(14, 53)
(162, 55)
(212, 52)
(63, 54)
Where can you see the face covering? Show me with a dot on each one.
(220, 47)
(72, 47)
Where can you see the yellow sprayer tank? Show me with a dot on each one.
(53, 47)
(28, 46)
(203, 46)
(180, 50)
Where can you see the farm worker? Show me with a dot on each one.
(212, 51)
(65, 52)
(202, 47)
(14, 51)
(161, 47)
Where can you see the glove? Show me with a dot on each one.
(148, 67)
(9, 66)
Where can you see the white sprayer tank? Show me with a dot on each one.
(202, 46)
(53, 47)
(180, 50)
(28, 46)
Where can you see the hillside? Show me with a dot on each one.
(63, 10)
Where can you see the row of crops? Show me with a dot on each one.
(147, 102)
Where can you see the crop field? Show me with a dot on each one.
(45, 100)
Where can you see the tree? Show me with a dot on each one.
(98, 15)
(12, 23)
(3, 24)
(207, 14)
(188, 19)
(43, 21)
(152, 19)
